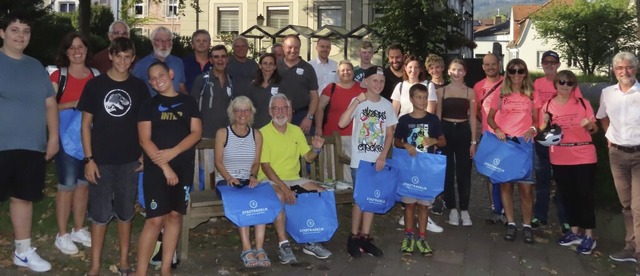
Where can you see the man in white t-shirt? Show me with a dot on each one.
(326, 68)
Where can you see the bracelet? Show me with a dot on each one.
(535, 130)
(317, 151)
(356, 98)
(253, 175)
(474, 142)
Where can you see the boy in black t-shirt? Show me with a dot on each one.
(418, 131)
(169, 126)
(110, 104)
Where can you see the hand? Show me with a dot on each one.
(500, 135)
(411, 149)
(53, 146)
(472, 151)
(253, 182)
(528, 136)
(319, 130)
(141, 165)
(317, 142)
(289, 195)
(305, 125)
(172, 178)
(164, 156)
(429, 141)
(91, 172)
(380, 163)
(233, 181)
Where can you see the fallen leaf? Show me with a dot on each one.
(549, 270)
(113, 268)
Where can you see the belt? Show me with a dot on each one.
(626, 149)
(575, 144)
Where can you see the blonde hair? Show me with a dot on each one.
(433, 59)
(237, 102)
(527, 84)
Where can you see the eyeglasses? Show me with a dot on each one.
(280, 108)
(620, 68)
(567, 83)
(514, 71)
(241, 110)
(549, 62)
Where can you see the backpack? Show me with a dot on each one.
(206, 82)
(62, 80)
(326, 108)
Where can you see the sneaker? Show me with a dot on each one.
(367, 245)
(353, 246)
(586, 246)
(626, 255)
(433, 227)
(286, 254)
(466, 219)
(156, 259)
(527, 235)
(570, 238)
(535, 223)
(317, 250)
(424, 248)
(454, 218)
(438, 207)
(407, 246)
(66, 245)
(511, 233)
(32, 260)
(564, 228)
(401, 220)
(81, 236)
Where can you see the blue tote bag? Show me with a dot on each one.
(375, 191)
(70, 137)
(250, 206)
(313, 218)
(422, 176)
(503, 161)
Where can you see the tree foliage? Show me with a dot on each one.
(589, 32)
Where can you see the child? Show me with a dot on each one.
(110, 105)
(368, 110)
(169, 126)
(418, 131)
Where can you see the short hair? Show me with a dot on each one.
(240, 101)
(489, 54)
(396, 47)
(158, 63)
(625, 56)
(565, 74)
(418, 87)
(121, 44)
(434, 59)
(407, 60)
(111, 26)
(158, 30)
(366, 44)
(14, 17)
(199, 32)
(345, 62)
(239, 38)
(275, 77)
(325, 38)
(459, 61)
(62, 60)
(527, 85)
(276, 45)
(219, 47)
(294, 36)
(278, 96)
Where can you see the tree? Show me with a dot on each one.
(590, 32)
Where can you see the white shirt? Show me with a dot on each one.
(326, 72)
(623, 111)
(405, 100)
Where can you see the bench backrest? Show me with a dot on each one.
(202, 157)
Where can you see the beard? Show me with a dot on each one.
(162, 53)
(281, 121)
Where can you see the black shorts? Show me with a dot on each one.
(160, 198)
(22, 174)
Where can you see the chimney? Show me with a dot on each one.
(497, 20)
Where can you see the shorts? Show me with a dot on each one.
(114, 194)
(411, 200)
(70, 172)
(162, 199)
(290, 183)
(22, 174)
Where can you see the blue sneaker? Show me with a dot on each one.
(570, 238)
(586, 246)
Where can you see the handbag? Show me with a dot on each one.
(375, 191)
(422, 176)
(70, 137)
(313, 218)
(503, 161)
(247, 206)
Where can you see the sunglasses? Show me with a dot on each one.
(514, 71)
(567, 83)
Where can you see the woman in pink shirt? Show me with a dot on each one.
(515, 115)
(573, 159)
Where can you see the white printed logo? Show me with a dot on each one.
(496, 161)
(310, 223)
(415, 180)
(253, 204)
(299, 71)
(117, 102)
(376, 193)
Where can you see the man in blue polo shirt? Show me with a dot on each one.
(199, 62)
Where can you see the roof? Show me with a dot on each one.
(521, 17)
(500, 29)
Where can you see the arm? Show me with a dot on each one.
(432, 103)
(305, 125)
(53, 141)
(388, 139)
(345, 119)
(166, 155)
(255, 167)
(91, 172)
(219, 157)
(473, 124)
(531, 133)
(439, 103)
(289, 195)
(317, 142)
(492, 123)
(150, 148)
(396, 106)
(319, 117)
(400, 143)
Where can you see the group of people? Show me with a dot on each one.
(148, 114)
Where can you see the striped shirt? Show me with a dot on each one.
(239, 154)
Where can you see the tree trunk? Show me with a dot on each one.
(84, 16)
(638, 17)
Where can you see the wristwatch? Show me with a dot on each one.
(87, 159)
(310, 116)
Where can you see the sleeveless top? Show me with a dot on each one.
(239, 154)
(455, 108)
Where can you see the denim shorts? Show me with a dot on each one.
(70, 172)
(115, 193)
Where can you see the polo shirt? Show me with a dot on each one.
(623, 111)
(192, 70)
(296, 83)
(285, 160)
(325, 72)
(141, 68)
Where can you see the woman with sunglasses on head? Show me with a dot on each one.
(515, 115)
(573, 159)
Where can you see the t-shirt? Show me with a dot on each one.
(390, 82)
(115, 106)
(297, 82)
(569, 117)
(545, 90)
(213, 100)
(481, 89)
(358, 74)
(339, 102)
(260, 97)
(370, 122)
(403, 96)
(73, 87)
(192, 70)
(24, 88)
(326, 72)
(414, 130)
(168, 130)
(514, 115)
(283, 151)
(141, 68)
(242, 73)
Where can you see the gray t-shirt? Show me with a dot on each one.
(25, 86)
(213, 100)
(296, 83)
(242, 73)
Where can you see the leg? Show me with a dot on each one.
(621, 173)
(423, 216)
(170, 240)
(80, 200)
(124, 238)
(98, 232)
(526, 201)
(463, 165)
(21, 217)
(356, 219)
(543, 181)
(506, 194)
(63, 210)
(146, 242)
(409, 217)
(245, 238)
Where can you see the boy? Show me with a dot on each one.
(418, 131)
(369, 110)
(110, 104)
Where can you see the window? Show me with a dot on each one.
(67, 7)
(228, 21)
(539, 59)
(277, 17)
(172, 8)
(102, 2)
(330, 15)
(138, 9)
(377, 12)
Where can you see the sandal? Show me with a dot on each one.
(249, 260)
(126, 272)
(264, 262)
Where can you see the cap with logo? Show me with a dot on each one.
(551, 54)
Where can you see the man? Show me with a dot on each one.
(393, 74)
(299, 83)
(199, 62)
(241, 69)
(619, 118)
(162, 41)
(28, 134)
(281, 165)
(366, 54)
(325, 68)
(277, 50)
(101, 60)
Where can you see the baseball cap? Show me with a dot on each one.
(550, 54)
(373, 70)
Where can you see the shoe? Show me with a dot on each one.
(586, 246)
(353, 246)
(535, 223)
(286, 254)
(424, 248)
(570, 238)
(511, 233)
(527, 235)
(438, 207)
(401, 220)
(81, 236)
(433, 227)
(367, 245)
(32, 260)
(249, 258)
(454, 218)
(66, 245)
(466, 219)
(626, 255)
(564, 228)
(156, 260)
(317, 250)
(407, 246)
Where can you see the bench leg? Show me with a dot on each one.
(184, 235)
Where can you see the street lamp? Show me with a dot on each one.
(260, 20)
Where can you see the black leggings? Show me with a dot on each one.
(576, 183)
(458, 137)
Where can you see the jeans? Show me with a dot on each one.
(542, 167)
(458, 137)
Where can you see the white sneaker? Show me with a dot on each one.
(401, 220)
(81, 236)
(32, 260)
(466, 219)
(454, 218)
(433, 227)
(66, 245)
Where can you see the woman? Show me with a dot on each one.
(73, 58)
(413, 73)
(336, 97)
(515, 115)
(237, 150)
(574, 159)
(456, 108)
(263, 87)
